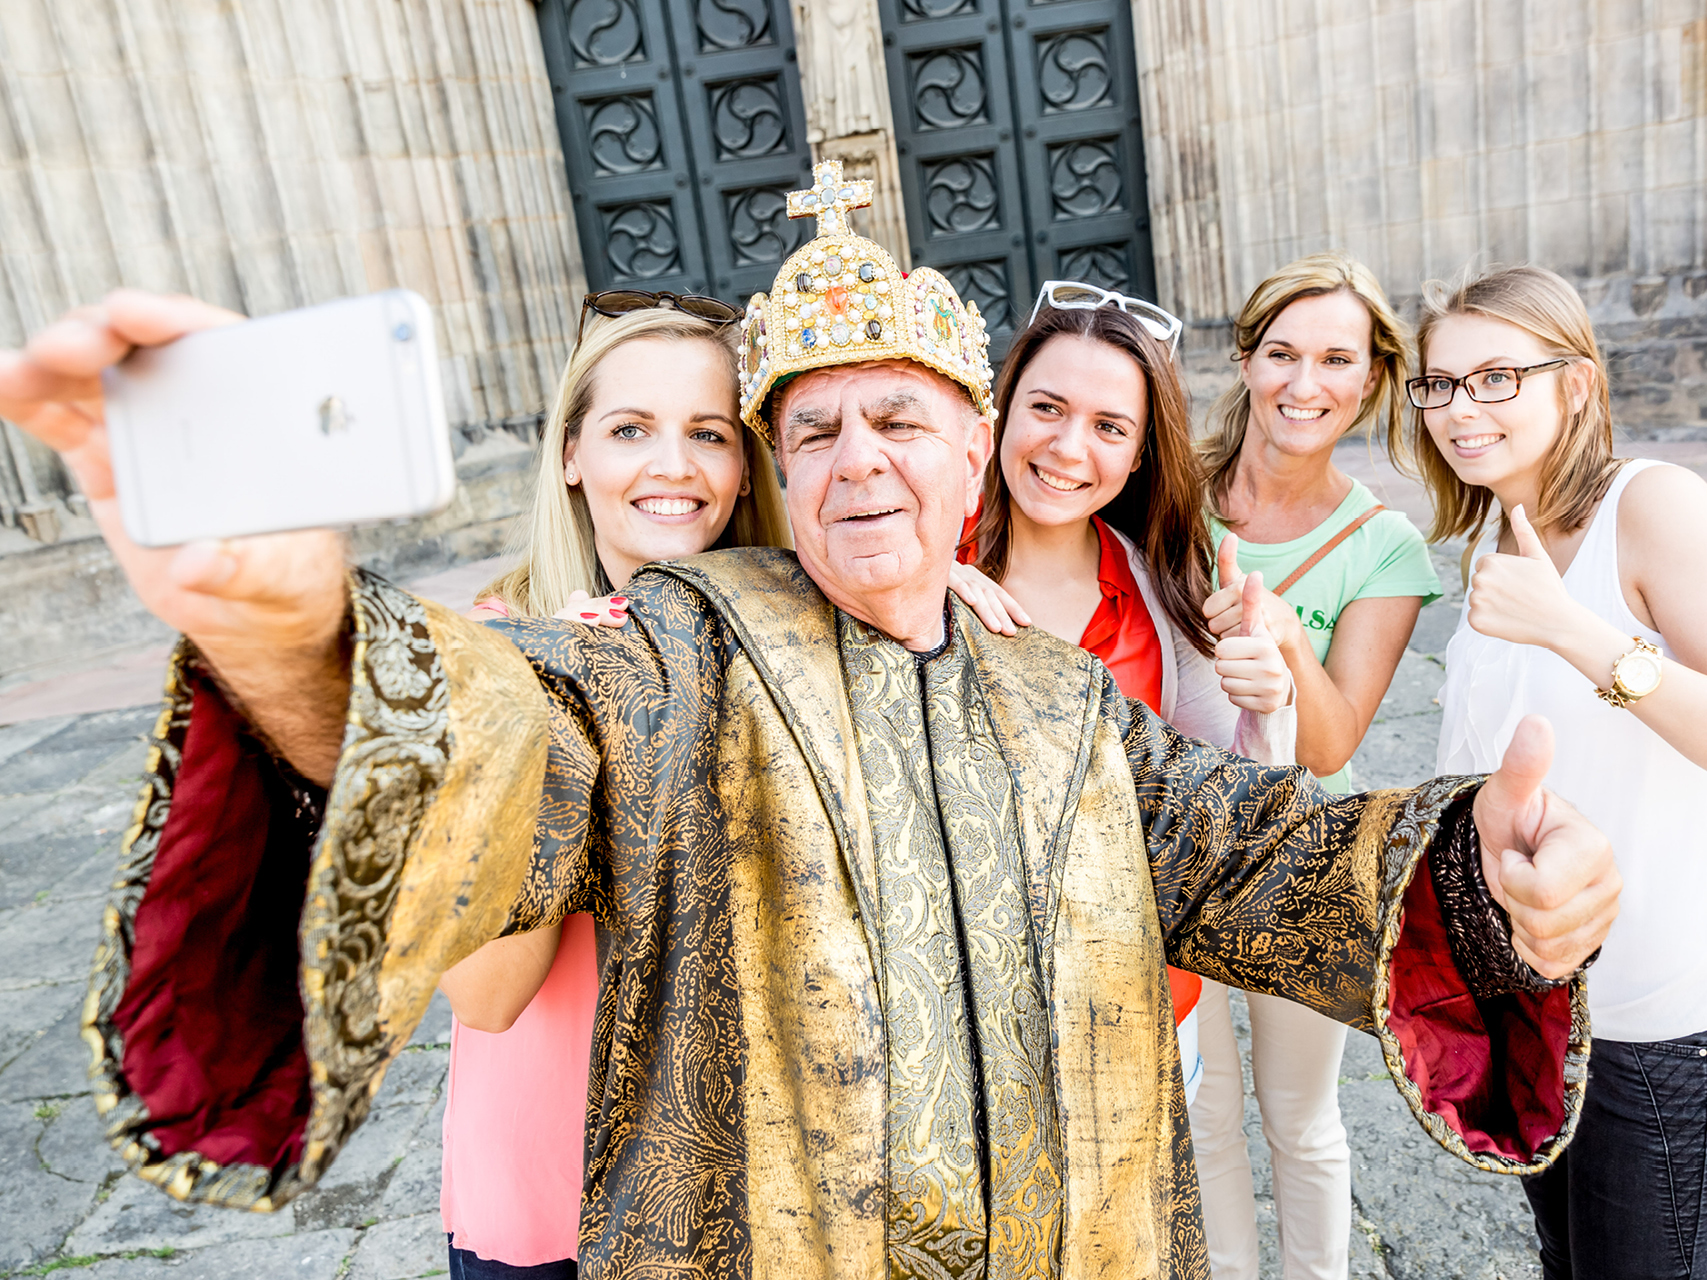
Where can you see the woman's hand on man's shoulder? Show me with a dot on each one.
(996, 609)
(606, 611)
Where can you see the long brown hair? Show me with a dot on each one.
(1159, 507)
(1579, 466)
(554, 540)
(1309, 277)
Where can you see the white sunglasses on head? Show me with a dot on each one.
(1072, 295)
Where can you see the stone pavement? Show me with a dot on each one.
(67, 786)
(129, 676)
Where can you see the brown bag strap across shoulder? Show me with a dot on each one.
(1351, 527)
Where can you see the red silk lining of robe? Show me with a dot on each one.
(212, 1014)
(1489, 1068)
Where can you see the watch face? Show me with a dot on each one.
(1639, 673)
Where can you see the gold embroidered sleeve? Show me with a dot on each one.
(1266, 882)
(255, 976)
(1263, 880)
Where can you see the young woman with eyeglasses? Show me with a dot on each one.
(1589, 582)
(643, 458)
(1091, 523)
(1320, 354)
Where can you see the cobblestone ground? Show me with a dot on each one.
(66, 791)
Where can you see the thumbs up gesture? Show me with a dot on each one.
(1521, 597)
(1227, 562)
(1547, 865)
(1227, 608)
(1253, 672)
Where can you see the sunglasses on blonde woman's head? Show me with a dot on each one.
(1072, 295)
(1484, 386)
(619, 302)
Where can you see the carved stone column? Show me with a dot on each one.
(270, 156)
(846, 89)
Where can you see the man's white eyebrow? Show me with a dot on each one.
(883, 409)
(892, 405)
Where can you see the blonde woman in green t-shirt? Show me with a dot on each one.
(1320, 354)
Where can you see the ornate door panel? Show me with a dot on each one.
(960, 171)
(683, 131)
(747, 128)
(1076, 81)
(1047, 88)
(619, 113)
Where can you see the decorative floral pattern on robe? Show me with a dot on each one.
(699, 781)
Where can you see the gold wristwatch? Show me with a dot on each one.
(1634, 675)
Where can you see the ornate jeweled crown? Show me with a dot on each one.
(840, 299)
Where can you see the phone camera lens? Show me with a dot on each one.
(403, 333)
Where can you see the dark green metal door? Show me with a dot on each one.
(1021, 155)
(684, 132)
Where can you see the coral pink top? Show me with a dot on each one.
(515, 1114)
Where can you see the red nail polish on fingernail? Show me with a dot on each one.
(619, 601)
(619, 613)
(590, 617)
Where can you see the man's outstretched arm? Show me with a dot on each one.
(340, 803)
(1382, 911)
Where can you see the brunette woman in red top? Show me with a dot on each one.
(1092, 526)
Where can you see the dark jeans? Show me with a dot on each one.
(471, 1266)
(1625, 1199)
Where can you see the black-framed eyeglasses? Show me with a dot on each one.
(1484, 386)
(619, 302)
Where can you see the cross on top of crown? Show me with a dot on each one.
(830, 198)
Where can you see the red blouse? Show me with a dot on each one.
(1123, 634)
(1121, 631)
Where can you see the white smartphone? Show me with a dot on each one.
(319, 418)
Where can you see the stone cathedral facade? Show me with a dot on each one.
(501, 157)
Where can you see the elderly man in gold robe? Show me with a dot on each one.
(888, 897)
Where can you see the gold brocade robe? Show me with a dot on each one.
(966, 1021)
(713, 783)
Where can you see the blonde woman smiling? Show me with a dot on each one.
(643, 458)
(1588, 582)
(1321, 354)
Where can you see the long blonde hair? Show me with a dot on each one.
(1579, 465)
(555, 539)
(1309, 277)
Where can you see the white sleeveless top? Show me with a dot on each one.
(1650, 982)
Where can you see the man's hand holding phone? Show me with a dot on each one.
(267, 612)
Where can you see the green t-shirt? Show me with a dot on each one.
(1386, 557)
